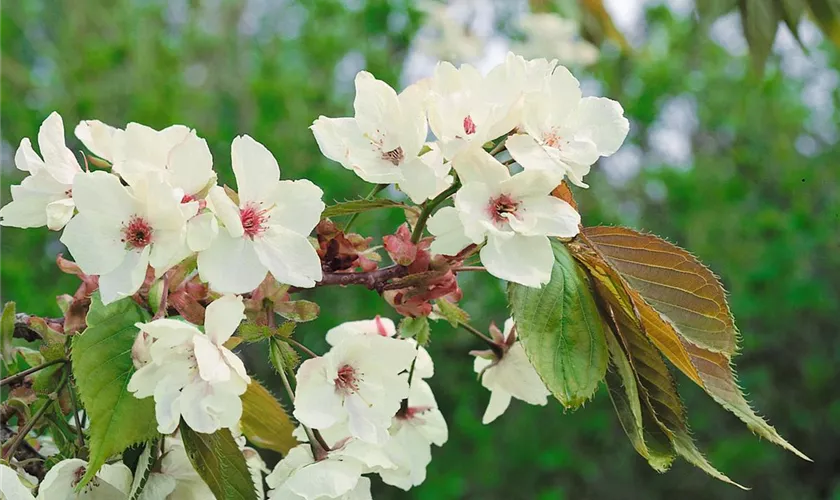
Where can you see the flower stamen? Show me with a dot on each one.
(500, 206)
(469, 125)
(347, 379)
(253, 220)
(137, 233)
(394, 156)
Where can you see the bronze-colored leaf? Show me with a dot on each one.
(674, 282)
(710, 370)
(637, 419)
(563, 192)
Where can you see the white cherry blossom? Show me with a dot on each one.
(564, 132)
(176, 479)
(112, 482)
(515, 215)
(413, 431)
(337, 476)
(190, 373)
(512, 376)
(45, 197)
(357, 381)
(382, 144)
(384, 327)
(467, 109)
(267, 231)
(120, 231)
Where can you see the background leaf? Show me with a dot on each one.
(218, 460)
(561, 330)
(144, 468)
(760, 20)
(264, 421)
(102, 367)
(359, 206)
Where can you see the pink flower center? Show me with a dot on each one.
(137, 233)
(347, 379)
(253, 220)
(395, 156)
(552, 139)
(500, 206)
(469, 125)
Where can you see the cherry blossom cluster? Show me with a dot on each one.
(532, 112)
(159, 204)
(144, 212)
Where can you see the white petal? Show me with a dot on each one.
(58, 159)
(367, 423)
(11, 486)
(158, 487)
(236, 365)
(448, 230)
(515, 375)
(298, 206)
(126, 278)
(413, 125)
(223, 318)
(98, 137)
(421, 181)
(231, 265)
(168, 249)
(59, 213)
(563, 95)
(377, 108)
(325, 479)
(545, 215)
(211, 364)
(378, 326)
(117, 475)
(102, 193)
(473, 204)
(476, 165)
(58, 483)
(26, 210)
(27, 159)
(317, 404)
(526, 260)
(334, 137)
(499, 402)
(532, 156)
(209, 407)
(604, 122)
(191, 165)
(255, 168)
(289, 257)
(201, 231)
(168, 405)
(95, 244)
(226, 210)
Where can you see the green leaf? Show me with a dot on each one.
(414, 328)
(144, 469)
(7, 331)
(561, 330)
(252, 332)
(102, 367)
(760, 21)
(709, 10)
(359, 206)
(264, 420)
(299, 311)
(217, 459)
(827, 15)
(451, 312)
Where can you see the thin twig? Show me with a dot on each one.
(373, 280)
(79, 430)
(484, 338)
(301, 347)
(464, 269)
(22, 433)
(17, 376)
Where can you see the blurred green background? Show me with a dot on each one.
(740, 169)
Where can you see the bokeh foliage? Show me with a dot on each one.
(761, 214)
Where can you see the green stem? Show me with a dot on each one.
(301, 347)
(430, 207)
(17, 376)
(373, 192)
(81, 433)
(316, 440)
